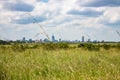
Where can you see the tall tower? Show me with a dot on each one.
(60, 40)
(53, 38)
(23, 40)
(82, 38)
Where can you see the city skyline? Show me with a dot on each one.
(53, 39)
(65, 19)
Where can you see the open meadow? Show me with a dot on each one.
(60, 61)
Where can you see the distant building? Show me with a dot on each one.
(23, 40)
(60, 40)
(30, 40)
(53, 38)
(102, 41)
(83, 39)
(46, 40)
(89, 40)
(41, 40)
(95, 41)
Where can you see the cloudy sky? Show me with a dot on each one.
(66, 19)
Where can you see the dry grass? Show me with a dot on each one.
(69, 64)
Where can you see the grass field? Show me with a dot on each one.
(59, 64)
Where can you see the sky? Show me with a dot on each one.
(65, 19)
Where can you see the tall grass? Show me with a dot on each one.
(38, 63)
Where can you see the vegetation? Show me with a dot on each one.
(55, 46)
(89, 46)
(60, 61)
(4, 42)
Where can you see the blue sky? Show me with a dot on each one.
(66, 19)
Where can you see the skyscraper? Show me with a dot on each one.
(30, 41)
(53, 38)
(23, 40)
(82, 38)
(88, 40)
(60, 40)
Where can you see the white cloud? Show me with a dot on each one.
(60, 23)
(110, 16)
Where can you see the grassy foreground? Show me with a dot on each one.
(61, 64)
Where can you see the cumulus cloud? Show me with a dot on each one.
(111, 17)
(18, 6)
(87, 12)
(45, 1)
(100, 3)
(29, 20)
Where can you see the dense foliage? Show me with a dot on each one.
(4, 42)
(55, 46)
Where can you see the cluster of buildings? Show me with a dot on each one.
(44, 40)
(53, 39)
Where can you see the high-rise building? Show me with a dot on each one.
(41, 40)
(30, 41)
(60, 40)
(53, 38)
(89, 40)
(82, 38)
(23, 40)
(46, 40)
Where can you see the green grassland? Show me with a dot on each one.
(59, 62)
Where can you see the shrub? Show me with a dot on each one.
(92, 47)
(63, 45)
(89, 47)
(118, 46)
(54, 46)
(4, 42)
(106, 46)
(19, 48)
(49, 46)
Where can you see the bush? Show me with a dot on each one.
(118, 46)
(19, 48)
(63, 45)
(92, 47)
(55, 46)
(106, 46)
(49, 46)
(89, 47)
(81, 45)
(4, 42)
